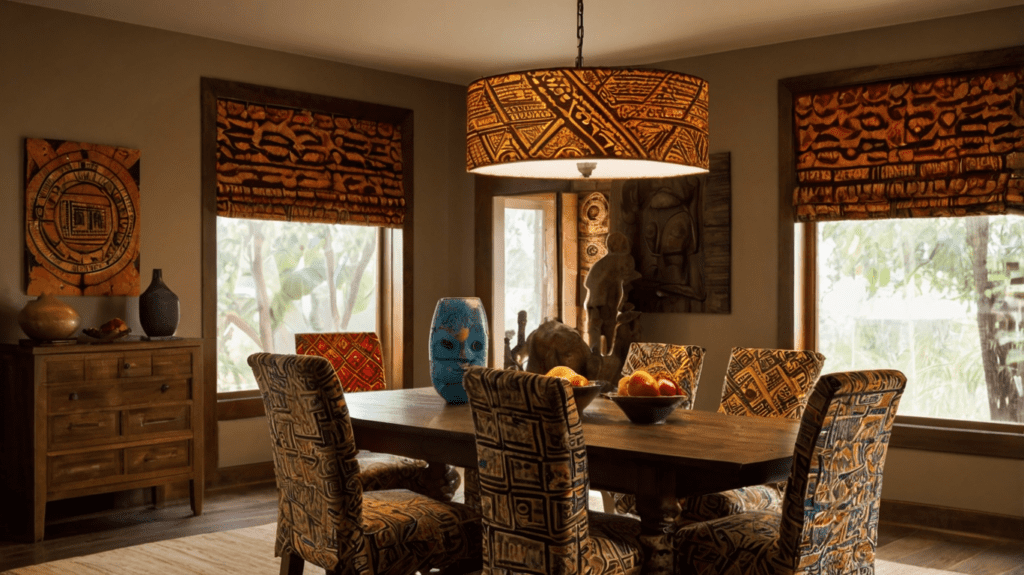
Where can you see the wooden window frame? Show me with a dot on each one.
(797, 289)
(396, 303)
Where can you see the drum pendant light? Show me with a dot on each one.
(572, 123)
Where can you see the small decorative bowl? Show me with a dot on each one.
(98, 336)
(585, 394)
(643, 409)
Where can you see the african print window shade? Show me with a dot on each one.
(279, 163)
(919, 147)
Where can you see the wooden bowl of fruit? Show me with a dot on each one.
(583, 390)
(647, 398)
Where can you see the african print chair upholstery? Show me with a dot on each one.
(358, 361)
(761, 383)
(683, 364)
(534, 484)
(324, 516)
(829, 519)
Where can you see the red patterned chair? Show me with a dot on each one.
(358, 362)
(760, 383)
(829, 518)
(324, 516)
(534, 485)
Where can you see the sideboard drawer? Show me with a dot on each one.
(136, 365)
(81, 397)
(153, 391)
(61, 370)
(86, 426)
(158, 420)
(86, 396)
(160, 457)
(78, 467)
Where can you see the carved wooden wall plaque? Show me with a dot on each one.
(679, 230)
(81, 218)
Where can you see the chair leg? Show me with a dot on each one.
(292, 564)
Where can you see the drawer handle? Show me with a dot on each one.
(73, 396)
(128, 365)
(165, 388)
(158, 421)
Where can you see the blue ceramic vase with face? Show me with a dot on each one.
(458, 338)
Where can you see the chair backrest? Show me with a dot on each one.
(320, 496)
(769, 382)
(830, 510)
(681, 362)
(533, 472)
(356, 357)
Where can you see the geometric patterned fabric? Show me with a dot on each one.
(323, 515)
(358, 361)
(762, 383)
(355, 357)
(681, 362)
(769, 382)
(534, 484)
(829, 518)
(581, 113)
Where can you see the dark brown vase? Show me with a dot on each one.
(158, 308)
(47, 318)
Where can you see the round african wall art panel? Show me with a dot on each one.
(81, 218)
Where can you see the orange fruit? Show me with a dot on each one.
(667, 387)
(642, 383)
(624, 385)
(561, 371)
(577, 380)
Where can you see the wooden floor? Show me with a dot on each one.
(244, 507)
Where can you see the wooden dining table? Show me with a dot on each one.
(692, 453)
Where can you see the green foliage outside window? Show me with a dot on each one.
(276, 279)
(940, 299)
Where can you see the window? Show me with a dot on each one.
(276, 279)
(910, 255)
(273, 162)
(940, 299)
(524, 262)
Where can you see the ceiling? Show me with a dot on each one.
(461, 40)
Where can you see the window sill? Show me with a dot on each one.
(239, 405)
(1004, 440)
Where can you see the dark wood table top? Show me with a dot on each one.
(705, 451)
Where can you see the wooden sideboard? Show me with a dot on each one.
(94, 418)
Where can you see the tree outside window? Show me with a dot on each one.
(940, 299)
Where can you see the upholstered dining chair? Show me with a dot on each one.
(324, 516)
(829, 518)
(683, 363)
(759, 382)
(534, 484)
(358, 362)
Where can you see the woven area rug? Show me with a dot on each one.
(248, 551)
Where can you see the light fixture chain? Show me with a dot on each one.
(579, 33)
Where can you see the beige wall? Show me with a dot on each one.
(71, 77)
(744, 122)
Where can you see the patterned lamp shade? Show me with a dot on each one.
(571, 123)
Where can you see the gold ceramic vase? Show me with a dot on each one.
(47, 318)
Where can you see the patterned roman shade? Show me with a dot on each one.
(920, 147)
(281, 163)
